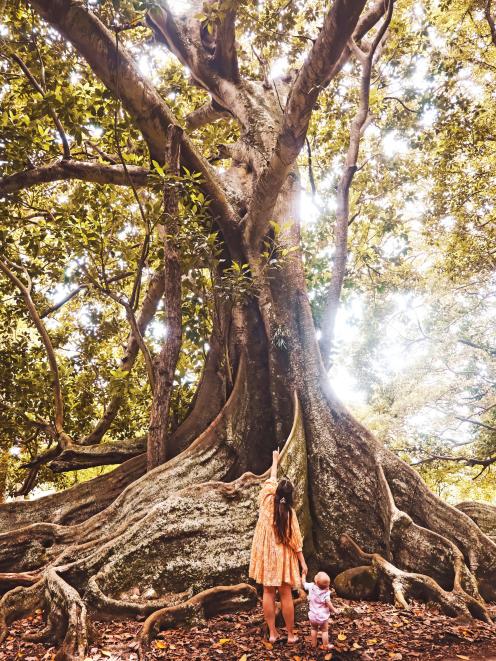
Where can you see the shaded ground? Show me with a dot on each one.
(363, 631)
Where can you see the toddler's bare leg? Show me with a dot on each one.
(313, 633)
(325, 634)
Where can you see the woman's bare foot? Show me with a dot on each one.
(274, 637)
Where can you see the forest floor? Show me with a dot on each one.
(364, 631)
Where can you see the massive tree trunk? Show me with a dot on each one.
(130, 542)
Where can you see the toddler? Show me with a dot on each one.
(320, 606)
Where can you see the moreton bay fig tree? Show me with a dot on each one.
(173, 198)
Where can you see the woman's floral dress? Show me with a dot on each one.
(272, 563)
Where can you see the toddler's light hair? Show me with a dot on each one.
(322, 577)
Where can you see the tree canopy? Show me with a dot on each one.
(421, 234)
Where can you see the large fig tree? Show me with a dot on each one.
(176, 518)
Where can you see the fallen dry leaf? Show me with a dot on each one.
(426, 635)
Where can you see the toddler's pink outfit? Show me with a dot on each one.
(318, 612)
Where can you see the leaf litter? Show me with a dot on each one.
(362, 631)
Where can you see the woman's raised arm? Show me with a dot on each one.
(273, 468)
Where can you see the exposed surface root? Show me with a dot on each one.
(409, 543)
(440, 535)
(68, 617)
(483, 514)
(412, 547)
(205, 604)
(75, 504)
(18, 603)
(389, 581)
(9, 580)
(170, 545)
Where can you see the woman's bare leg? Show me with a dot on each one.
(287, 608)
(269, 610)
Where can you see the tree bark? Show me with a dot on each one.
(65, 170)
(357, 502)
(165, 364)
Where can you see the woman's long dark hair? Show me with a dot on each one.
(282, 511)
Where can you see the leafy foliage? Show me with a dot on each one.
(420, 273)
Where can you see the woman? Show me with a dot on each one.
(276, 550)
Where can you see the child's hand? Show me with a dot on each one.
(275, 456)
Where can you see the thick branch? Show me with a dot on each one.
(207, 48)
(490, 20)
(65, 169)
(206, 114)
(148, 309)
(51, 110)
(141, 100)
(77, 458)
(357, 128)
(468, 461)
(314, 76)
(225, 59)
(167, 359)
(367, 21)
(52, 359)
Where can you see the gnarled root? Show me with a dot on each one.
(68, 617)
(66, 614)
(196, 537)
(76, 504)
(439, 535)
(9, 580)
(18, 603)
(205, 604)
(483, 514)
(411, 546)
(389, 581)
